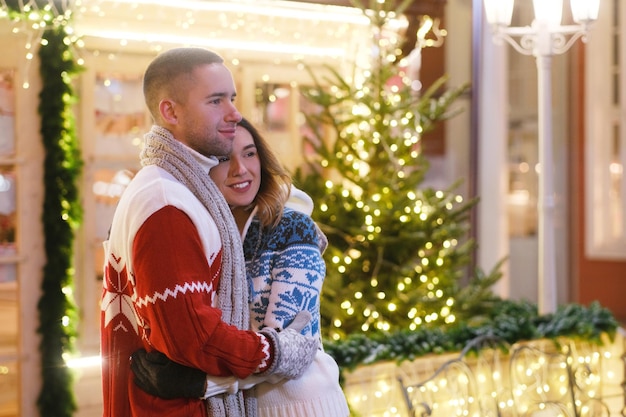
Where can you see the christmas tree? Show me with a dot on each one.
(398, 252)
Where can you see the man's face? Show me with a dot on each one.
(207, 118)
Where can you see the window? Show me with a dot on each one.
(605, 148)
(114, 119)
(8, 246)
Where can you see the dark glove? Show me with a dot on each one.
(293, 352)
(157, 375)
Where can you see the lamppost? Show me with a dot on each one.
(544, 38)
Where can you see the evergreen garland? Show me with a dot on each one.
(510, 321)
(62, 212)
(61, 215)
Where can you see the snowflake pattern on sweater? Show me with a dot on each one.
(285, 271)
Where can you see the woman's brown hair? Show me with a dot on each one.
(275, 180)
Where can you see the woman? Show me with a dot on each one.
(285, 270)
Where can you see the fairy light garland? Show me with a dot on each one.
(49, 34)
(451, 393)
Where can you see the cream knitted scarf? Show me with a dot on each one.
(163, 150)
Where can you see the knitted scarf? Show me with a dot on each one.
(163, 150)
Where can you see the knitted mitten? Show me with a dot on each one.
(293, 352)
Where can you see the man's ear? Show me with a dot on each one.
(167, 110)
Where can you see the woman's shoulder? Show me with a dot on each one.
(292, 215)
(295, 226)
(296, 219)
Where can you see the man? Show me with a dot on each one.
(174, 273)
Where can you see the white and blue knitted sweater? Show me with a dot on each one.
(285, 271)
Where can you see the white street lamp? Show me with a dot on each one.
(544, 38)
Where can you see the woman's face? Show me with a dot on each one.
(238, 175)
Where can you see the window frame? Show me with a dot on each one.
(605, 133)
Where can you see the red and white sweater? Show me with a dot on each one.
(161, 274)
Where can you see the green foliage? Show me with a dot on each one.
(509, 321)
(397, 250)
(62, 213)
(586, 323)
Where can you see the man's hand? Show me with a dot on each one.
(159, 376)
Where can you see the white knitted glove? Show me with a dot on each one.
(293, 352)
(256, 379)
(219, 385)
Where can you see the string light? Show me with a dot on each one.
(234, 27)
(32, 20)
(373, 389)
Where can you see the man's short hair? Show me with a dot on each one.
(167, 68)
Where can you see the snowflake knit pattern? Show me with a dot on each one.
(285, 260)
